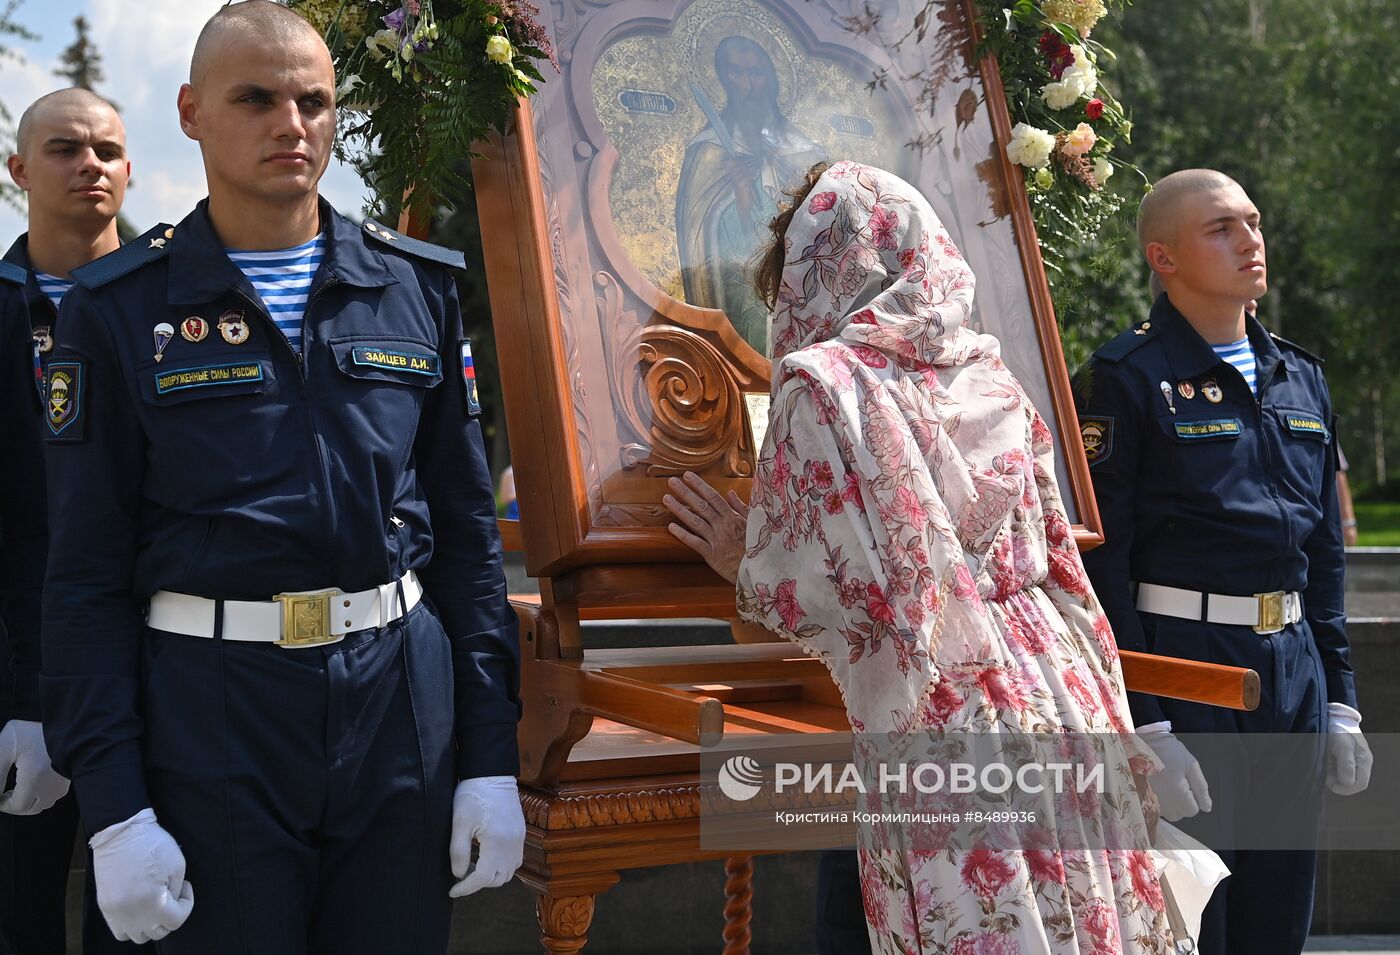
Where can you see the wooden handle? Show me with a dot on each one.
(649, 706)
(1235, 688)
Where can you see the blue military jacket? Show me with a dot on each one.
(23, 529)
(1200, 485)
(191, 450)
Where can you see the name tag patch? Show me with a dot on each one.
(1214, 428)
(417, 363)
(1306, 425)
(208, 376)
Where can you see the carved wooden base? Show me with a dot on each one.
(738, 911)
(564, 922)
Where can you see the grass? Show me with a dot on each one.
(1378, 524)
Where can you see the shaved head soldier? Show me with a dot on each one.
(279, 661)
(70, 160)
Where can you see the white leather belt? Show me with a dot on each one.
(1266, 613)
(305, 619)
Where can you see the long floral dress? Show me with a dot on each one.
(905, 461)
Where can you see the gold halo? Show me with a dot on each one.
(708, 23)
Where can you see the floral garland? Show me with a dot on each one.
(1066, 122)
(420, 82)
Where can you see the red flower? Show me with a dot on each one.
(906, 258)
(882, 228)
(986, 872)
(851, 492)
(821, 474)
(1101, 922)
(833, 503)
(821, 202)
(877, 605)
(1057, 51)
(1001, 689)
(864, 317)
(1094, 108)
(1043, 857)
(785, 603)
(942, 704)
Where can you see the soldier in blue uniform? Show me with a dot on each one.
(279, 664)
(1211, 446)
(71, 163)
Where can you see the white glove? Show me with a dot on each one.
(140, 876)
(487, 810)
(1348, 755)
(1180, 786)
(37, 786)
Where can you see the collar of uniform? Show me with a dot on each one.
(1267, 355)
(200, 269)
(19, 255)
(1188, 354)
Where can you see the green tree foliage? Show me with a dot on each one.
(10, 31)
(81, 63)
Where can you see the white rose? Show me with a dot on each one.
(498, 50)
(1030, 146)
(1103, 169)
(1083, 73)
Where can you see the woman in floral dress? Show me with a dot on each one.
(905, 468)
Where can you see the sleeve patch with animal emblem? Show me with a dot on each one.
(418, 363)
(1096, 431)
(469, 377)
(207, 376)
(64, 406)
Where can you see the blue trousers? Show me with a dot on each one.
(1259, 784)
(841, 928)
(310, 789)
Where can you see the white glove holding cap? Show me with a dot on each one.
(37, 786)
(1348, 753)
(486, 810)
(140, 876)
(1181, 785)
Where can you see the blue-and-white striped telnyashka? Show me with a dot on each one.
(53, 287)
(283, 280)
(1241, 355)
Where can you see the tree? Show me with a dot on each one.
(9, 29)
(81, 63)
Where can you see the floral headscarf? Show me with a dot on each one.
(885, 464)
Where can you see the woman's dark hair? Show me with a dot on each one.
(768, 274)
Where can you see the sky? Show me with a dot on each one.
(145, 47)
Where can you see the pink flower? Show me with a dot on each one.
(833, 503)
(1082, 693)
(882, 228)
(872, 892)
(785, 603)
(986, 872)
(1094, 108)
(851, 492)
(1101, 922)
(1146, 885)
(1103, 636)
(864, 317)
(821, 474)
(906, 258)
(1080, 140)
(878, 605)
(1001, 688)
(821, 202)
(907, 503)
(1043, 857)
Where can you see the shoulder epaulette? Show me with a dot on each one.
(14, 274)
(1298, 348)
(424, 250)
(1126, 343)
(142, 250)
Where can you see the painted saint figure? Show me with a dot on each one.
(731, 176)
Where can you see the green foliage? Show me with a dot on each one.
(420, 83)
(81, 63)
(10, 194)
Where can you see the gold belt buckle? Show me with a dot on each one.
(306, 619)
(1270, 612)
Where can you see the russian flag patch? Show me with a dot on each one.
(469, 377)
